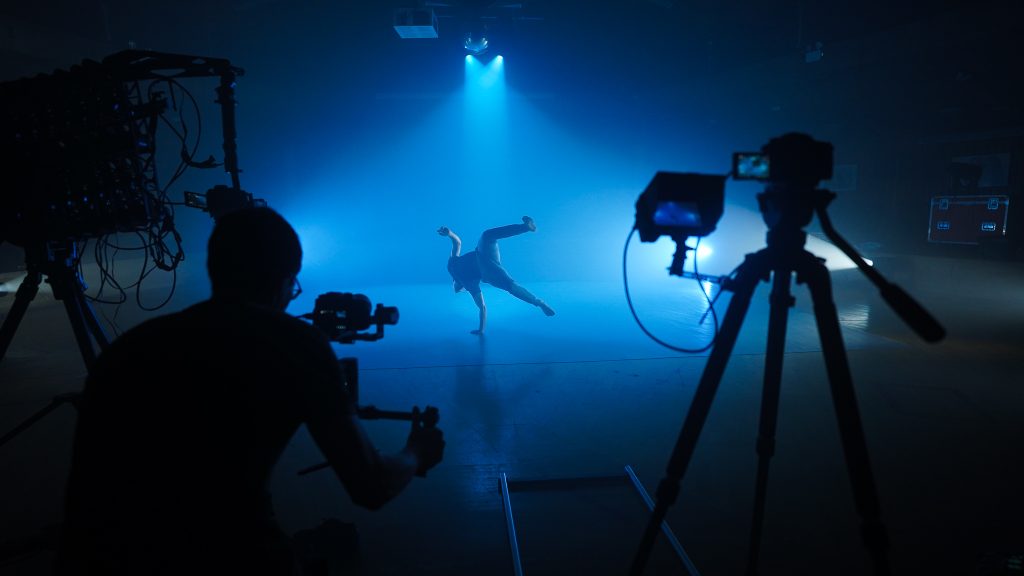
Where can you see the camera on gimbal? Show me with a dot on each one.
(342, 316)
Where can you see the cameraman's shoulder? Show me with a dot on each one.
(139, 344)
(299, 334)
(154, 328)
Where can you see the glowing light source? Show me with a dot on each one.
(703, 251)
(485, 76)
(476, 45)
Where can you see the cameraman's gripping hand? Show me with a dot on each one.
(426, 442)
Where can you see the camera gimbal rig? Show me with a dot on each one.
(343, 316)
(791, 198)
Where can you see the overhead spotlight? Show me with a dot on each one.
(475, 45)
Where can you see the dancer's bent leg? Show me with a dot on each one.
(528, 297)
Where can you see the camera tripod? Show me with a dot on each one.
(787, 212)
(56, 261)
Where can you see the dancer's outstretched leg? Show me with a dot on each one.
(487, 247)
(528, 297)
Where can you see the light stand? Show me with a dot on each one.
(55, 261)
(50, 221)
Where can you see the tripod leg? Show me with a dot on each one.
(74, 311)
(851, 432)
(90, 319)
(754, 269)
(67, 287)
(26, 293)
(71, 397)
(781, 301)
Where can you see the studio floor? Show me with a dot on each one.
(585, 393)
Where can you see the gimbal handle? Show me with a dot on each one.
(428, 417)
(350, 370)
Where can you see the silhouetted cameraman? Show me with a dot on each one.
(184, 417)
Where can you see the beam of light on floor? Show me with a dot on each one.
(835, 259)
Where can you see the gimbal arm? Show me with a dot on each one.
(428, 417)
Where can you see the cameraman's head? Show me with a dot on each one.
(254, 256)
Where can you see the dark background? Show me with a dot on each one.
(368, 142)
(335, 109)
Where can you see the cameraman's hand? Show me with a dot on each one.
(444, 231)
(426, 442)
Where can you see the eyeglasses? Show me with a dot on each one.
(296, 288)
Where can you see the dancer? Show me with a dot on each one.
(484, 265)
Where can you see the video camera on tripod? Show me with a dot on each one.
(681, 205)
(684, 205)
(343, 317)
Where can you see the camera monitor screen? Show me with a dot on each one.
(671, 213)
(751, 166)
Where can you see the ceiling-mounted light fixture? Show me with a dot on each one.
(475, 44)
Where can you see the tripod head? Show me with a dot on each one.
(791, 166)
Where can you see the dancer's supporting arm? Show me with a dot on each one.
(478, 297)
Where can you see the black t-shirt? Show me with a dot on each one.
(465, 270)
(181, 423)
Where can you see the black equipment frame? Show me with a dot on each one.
(57, 260)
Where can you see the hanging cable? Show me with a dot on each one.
(632, 310)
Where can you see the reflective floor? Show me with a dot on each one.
(585, 393)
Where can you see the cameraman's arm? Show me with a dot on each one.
(371, 478)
